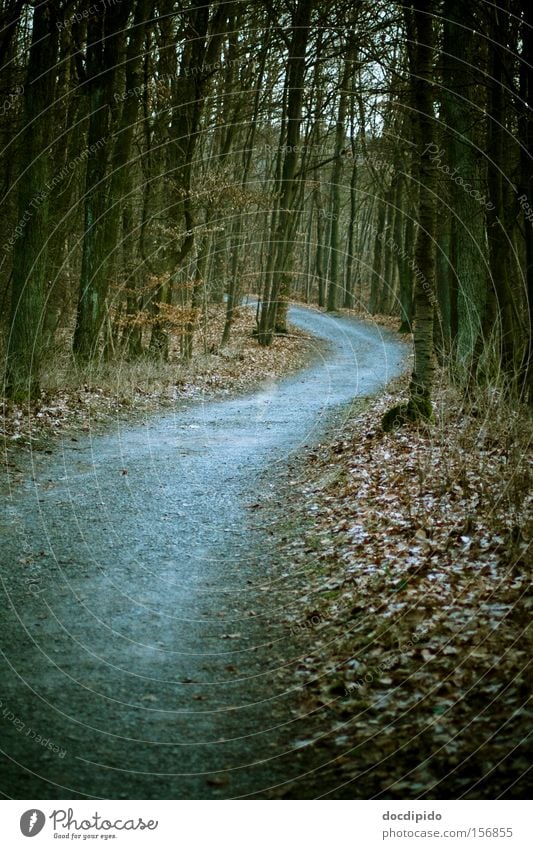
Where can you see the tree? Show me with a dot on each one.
(336, 176)
(274, 306)
(105, 40)
(460, 92)
(419, 28)
(30, 255)
(525, 199)
(500, 306)
(199, 55)
(181, 153)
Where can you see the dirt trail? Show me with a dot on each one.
(143, 651)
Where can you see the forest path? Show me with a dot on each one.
(143, 650)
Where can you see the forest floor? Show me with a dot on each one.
(144, 650)
(317, 608)
(414, 548)
(91, 397)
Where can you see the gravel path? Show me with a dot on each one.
(143, 651)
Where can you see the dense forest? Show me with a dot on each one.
(296, 240)
(157, 157)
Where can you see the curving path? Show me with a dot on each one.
(143, 654)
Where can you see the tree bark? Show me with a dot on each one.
(499, 311)
(525, 131)
(274, 306)
(30, 267)
(335, 281)
(468, 232)
(105, 39)
(419, 23)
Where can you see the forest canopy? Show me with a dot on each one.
(158, 157)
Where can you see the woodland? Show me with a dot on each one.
(175, 177)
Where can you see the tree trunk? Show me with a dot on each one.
(526, 188)
(377, 281)
(189, 94)
(30, 269)
(335, 281)
(500, 306)
(445, 277)
(272, 308)
(406, 275)
(105, 37)
(419, 22)
(459, 92)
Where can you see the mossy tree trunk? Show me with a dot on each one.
(446, 284)
(30, 255)
(499, 312)
(405, 274)
(424, 298)
(397, 234)
(120, 201)
(526, 187)
(235, 284)
(465, 190)
(419, 25)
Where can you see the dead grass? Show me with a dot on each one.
(83, 397)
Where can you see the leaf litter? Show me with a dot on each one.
(414, 557)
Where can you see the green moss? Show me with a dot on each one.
(395, 417)
(421, 409)
(417, 409)
(330, 595)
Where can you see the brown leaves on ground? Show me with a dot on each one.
(416, 563)
(83, 398)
